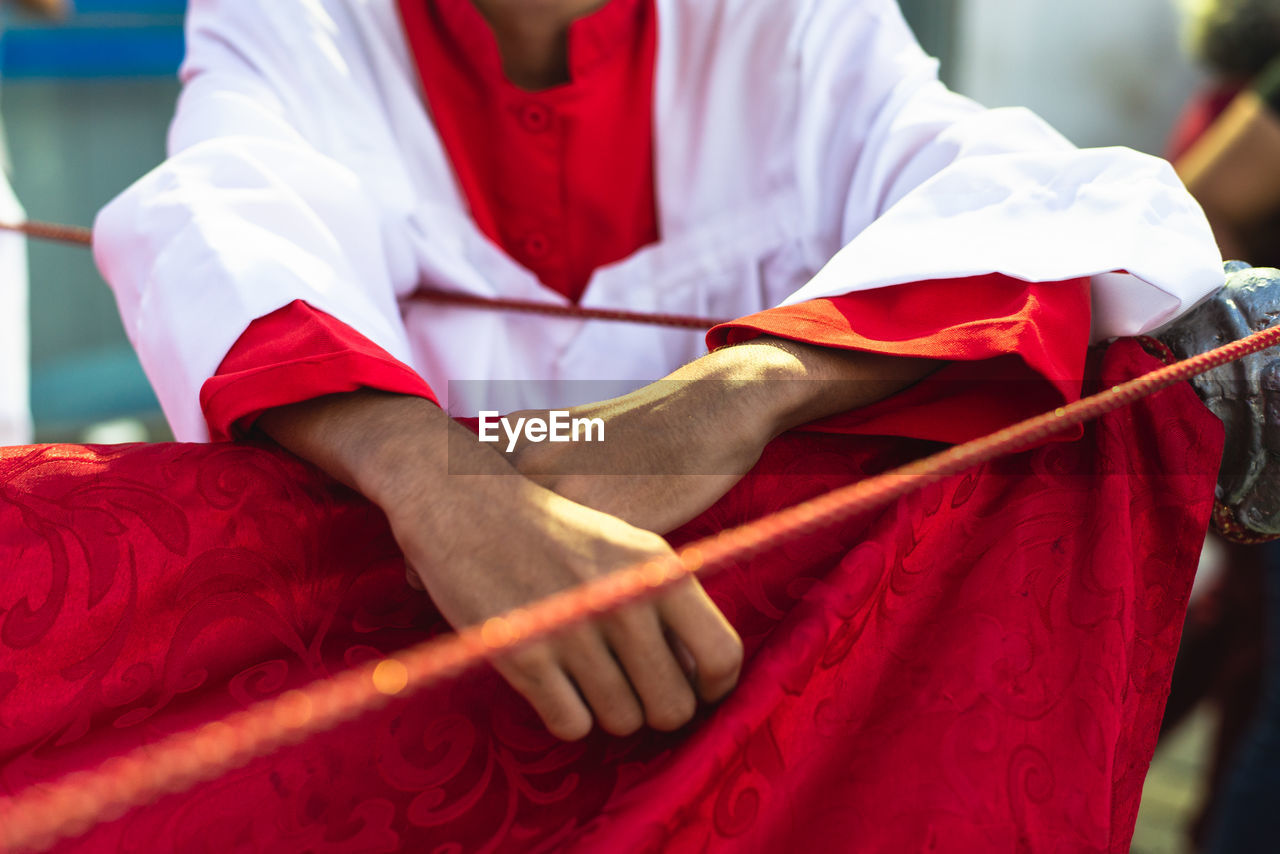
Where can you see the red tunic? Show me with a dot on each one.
(562, 179)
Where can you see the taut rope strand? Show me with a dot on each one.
(51, 231)
(678, 321)
(84, 237)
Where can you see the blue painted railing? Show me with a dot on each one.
(102, 38)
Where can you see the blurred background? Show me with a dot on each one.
(86, 101)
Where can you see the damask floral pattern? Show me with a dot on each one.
(979, 667)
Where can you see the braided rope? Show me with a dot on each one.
(40, 816)
(51, 231)
(678, 321)
(84, 237)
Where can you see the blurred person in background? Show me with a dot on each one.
(1225, 143)
(15, 408)
(1226, 148)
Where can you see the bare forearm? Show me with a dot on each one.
(391, 448)
(694, 433)
(793, 383)
(353, 437)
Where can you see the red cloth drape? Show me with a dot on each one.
(979, 667)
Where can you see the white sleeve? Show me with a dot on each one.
(246, 215)
(926, 184)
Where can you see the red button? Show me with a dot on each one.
(537, 245)
(535, 118)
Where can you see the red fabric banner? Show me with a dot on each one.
(981, 666)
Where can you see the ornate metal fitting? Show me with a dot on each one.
(1244, 394)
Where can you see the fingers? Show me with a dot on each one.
(636, 636)
(600, 679)
(712, 643)
(537, 675)
(627, 672)
(546, 677)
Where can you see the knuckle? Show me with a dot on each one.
(527, 669)
(620, 716)
(578, 641)
(567, 725)
(622, 725)
(673, 711)
(722, 661)
(535, 658)
(629, 625)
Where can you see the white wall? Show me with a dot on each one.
(1104, 72)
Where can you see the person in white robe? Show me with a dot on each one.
(805, 149)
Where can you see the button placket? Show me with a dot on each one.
(536, 201)
(537, 245)
(535, 118)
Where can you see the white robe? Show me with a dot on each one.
(804, 148)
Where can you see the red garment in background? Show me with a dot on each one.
(1198, 116)
(979, 667)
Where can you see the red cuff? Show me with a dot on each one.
(297, 353)
(1016, 349)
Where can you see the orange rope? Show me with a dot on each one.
(51, 231)
(1223, 519)
(84, 237)
(43, 814)
(679, 321)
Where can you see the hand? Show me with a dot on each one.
(621, 670)
(625, 671)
